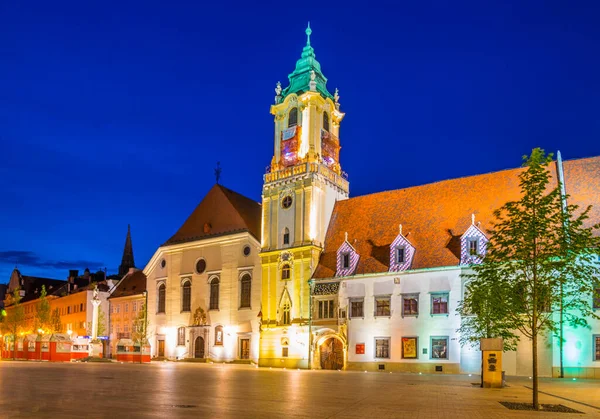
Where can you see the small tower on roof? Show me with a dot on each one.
(127, 259)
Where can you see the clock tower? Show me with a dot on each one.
(300, 189)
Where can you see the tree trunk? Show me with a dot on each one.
(536, 404)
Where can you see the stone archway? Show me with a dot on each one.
(331, 354)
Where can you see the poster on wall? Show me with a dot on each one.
(409, 348)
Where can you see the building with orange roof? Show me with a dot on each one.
(373, 282)
(204, 284)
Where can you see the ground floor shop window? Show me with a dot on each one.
(382, 347)
(439, 347)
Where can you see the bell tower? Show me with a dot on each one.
(300, 188)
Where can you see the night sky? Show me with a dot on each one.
(115, 113)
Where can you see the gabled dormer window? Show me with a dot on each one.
(473, 245)
(401, 253)
(293, 117)
(347, 259)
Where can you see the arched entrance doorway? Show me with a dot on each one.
(332, 354)
(199, 347)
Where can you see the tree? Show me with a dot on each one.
(139, 334)
(540, 267)
(14, 318)
(43, 312)
(55, 323)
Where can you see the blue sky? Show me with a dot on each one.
(115, 113)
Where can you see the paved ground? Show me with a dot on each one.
(173, 390)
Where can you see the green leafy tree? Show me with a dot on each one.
(43, 312)
(140, 329)
(55, 322)
(14, 318)
(540, 268)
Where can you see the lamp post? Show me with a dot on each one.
(41, 333)
(144, 338)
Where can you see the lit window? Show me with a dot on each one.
(439, 303)
(286, 318)
(186, 297)
(219, 335)
(410, 305)
(214, 294)
(246, 285)
(382, 306)
(439, 347)
(161, 299)
(346, 260)
(293, 117)
(382, 347)
(356, 308)
(181, 336)
(326, 309)
(473, 247)
(285, 272)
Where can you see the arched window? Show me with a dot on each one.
(246, 285)
(219, 335)
(214, 294)
(286, 317)
(186, 296)
(286, 236)
(293, 117)
(285, 272)
(161, 298)
(326, 121)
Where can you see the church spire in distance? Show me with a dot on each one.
(127, 260)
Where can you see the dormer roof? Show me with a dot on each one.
(438, 214)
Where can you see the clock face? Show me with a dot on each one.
(286, 202)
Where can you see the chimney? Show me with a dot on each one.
(73, 274)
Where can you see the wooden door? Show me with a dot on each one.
(161, 348)
(332, 354)
(244, 348)
(199, 347)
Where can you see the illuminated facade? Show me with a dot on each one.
(392, 269)
(300, 190)
(204, 283)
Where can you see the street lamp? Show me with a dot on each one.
(40, 332)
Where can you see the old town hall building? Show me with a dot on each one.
(311, 278)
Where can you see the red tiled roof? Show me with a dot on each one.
(434, 216)
(223, 211)
(131, 284)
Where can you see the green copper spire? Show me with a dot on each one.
(300, 79)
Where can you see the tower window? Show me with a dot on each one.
(285, 272)
(286, 202)
(293, 117)
(286, 236)
(286, 318)
(246, 291)
(325, 121)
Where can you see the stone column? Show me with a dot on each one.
(96, 304)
